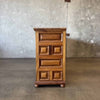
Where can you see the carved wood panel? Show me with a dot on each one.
(57, 50)
(50, 50)
(44, 50)
(43, 75)
(57, 75)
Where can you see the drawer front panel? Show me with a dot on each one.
(50, 62)
(44, 75)
(50, 50)
(50, 36)
(57, 75)
(57, 50)
(44, 50)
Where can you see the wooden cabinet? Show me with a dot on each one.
(50, 56)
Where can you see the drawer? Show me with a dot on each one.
(50, 50)
(44, 75)
(44, 50)
(50, 36)
(57, 75)
(57, 50)
(50, 62)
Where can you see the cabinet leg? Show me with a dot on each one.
(36, 85)
(62, 85)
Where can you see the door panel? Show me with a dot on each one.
(57, 75)
(57, 50)
(44, 50)
(44, 75)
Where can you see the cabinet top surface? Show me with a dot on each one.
(49, 29)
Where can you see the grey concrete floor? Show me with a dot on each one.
(18, 75)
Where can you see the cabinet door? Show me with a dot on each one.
(44, 75)
(57, 75)
(44, 50)
(57, 50)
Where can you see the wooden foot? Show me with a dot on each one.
(36, 85)
(62, 85)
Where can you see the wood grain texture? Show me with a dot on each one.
(44, 75)
(57, 75)
(43, 50)
(64, 54)
(50, 29)
(51, 56)
(57, 50)
(51, 48)
(37, 55)
(57, 43)
(50, 62)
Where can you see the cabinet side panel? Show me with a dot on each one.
(64, 54)
(37, 55)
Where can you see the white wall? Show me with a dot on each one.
(19, 17)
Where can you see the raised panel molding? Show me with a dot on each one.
(57, 49)
(44, 75)
(50, 62)
(44, 50)
(49, 36)
(57, 75)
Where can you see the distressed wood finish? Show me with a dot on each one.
(50, 56)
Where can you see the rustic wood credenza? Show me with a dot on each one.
(50, 56)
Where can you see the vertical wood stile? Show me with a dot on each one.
(64, 54)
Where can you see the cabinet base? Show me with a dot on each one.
(61, 83)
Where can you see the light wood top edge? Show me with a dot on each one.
(49, 29)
